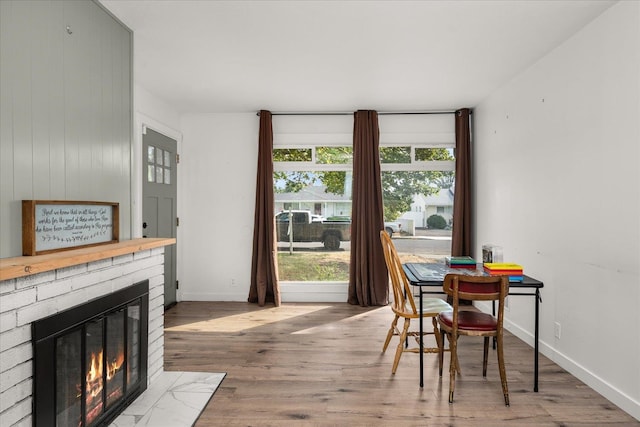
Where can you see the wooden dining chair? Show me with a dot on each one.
(404, 306)
(474, 323)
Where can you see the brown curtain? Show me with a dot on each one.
(461, 237)
(264, 267)
(368, 277)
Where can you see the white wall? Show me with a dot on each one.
(216, 193)
(557, 155)
(153, 108)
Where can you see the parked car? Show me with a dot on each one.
(392, 227)
(307, 227)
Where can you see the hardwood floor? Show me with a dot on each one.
(320, 364)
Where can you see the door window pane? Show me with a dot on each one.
(159, 165)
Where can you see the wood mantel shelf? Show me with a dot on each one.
(11, 268)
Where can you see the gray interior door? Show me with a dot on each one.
(159, 195)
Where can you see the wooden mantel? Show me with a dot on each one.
(11, 268)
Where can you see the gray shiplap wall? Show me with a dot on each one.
(65, 109)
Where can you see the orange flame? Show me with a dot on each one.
(94, 381)
(94, 375)
(113, 367)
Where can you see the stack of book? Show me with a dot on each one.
(460, 262)
(514, 271)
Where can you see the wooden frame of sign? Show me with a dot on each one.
(58, 225)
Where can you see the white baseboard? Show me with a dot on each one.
(308, 292)
(209, 296)
(614, 395)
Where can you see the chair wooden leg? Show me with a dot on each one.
(453, 366)
(457, 364)
(392, 330)
(448, 335)
(440, 340)
(486, 354)
(503, 372)
(400, 348)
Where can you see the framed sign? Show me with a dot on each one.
(55, 225)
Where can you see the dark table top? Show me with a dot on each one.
(432, 274)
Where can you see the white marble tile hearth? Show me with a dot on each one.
(174, 399)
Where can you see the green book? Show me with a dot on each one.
(460, 260)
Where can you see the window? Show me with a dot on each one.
(158, 165)
(418, 165)
(313, 173)
(314, 184)
(412, 190)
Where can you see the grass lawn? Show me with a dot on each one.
(323, 266)
(314, 266)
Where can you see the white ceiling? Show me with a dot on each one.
(242, 56)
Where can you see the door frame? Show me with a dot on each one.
(141, 122)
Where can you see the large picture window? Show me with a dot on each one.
(312, 188)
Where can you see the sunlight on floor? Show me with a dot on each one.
(336, 325)
(244, 321)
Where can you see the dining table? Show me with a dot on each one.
(428, 277)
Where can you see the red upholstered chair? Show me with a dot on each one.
(404, 306)
(473, 323)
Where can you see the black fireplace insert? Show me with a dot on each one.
(90, 362)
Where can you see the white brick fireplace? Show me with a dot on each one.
(26, 299)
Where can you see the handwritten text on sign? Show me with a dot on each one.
(59, 226)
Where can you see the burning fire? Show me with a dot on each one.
(94, 382)
(94, 374)
(114, 366)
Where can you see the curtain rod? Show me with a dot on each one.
(345, 113)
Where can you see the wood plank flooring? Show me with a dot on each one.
(320, 364)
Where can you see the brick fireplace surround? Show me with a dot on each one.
(35, 287)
